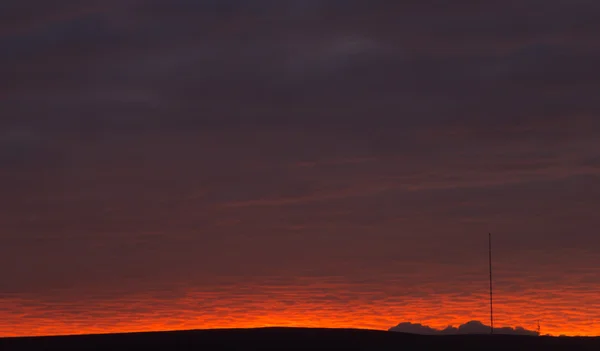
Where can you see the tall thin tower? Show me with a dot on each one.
(491, 287)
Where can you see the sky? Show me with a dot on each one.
(207, 164)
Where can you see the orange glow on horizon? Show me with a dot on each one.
(291, 307)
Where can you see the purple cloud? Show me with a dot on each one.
(471, 327)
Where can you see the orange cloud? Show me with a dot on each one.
(328, 301)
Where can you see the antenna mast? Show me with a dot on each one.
(491, 295)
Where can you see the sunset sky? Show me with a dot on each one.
(178, 164)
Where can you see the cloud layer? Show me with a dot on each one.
(471, 327)
(364, 147)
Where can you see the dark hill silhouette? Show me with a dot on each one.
(295, 339)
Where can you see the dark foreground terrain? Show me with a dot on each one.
(294, 339)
